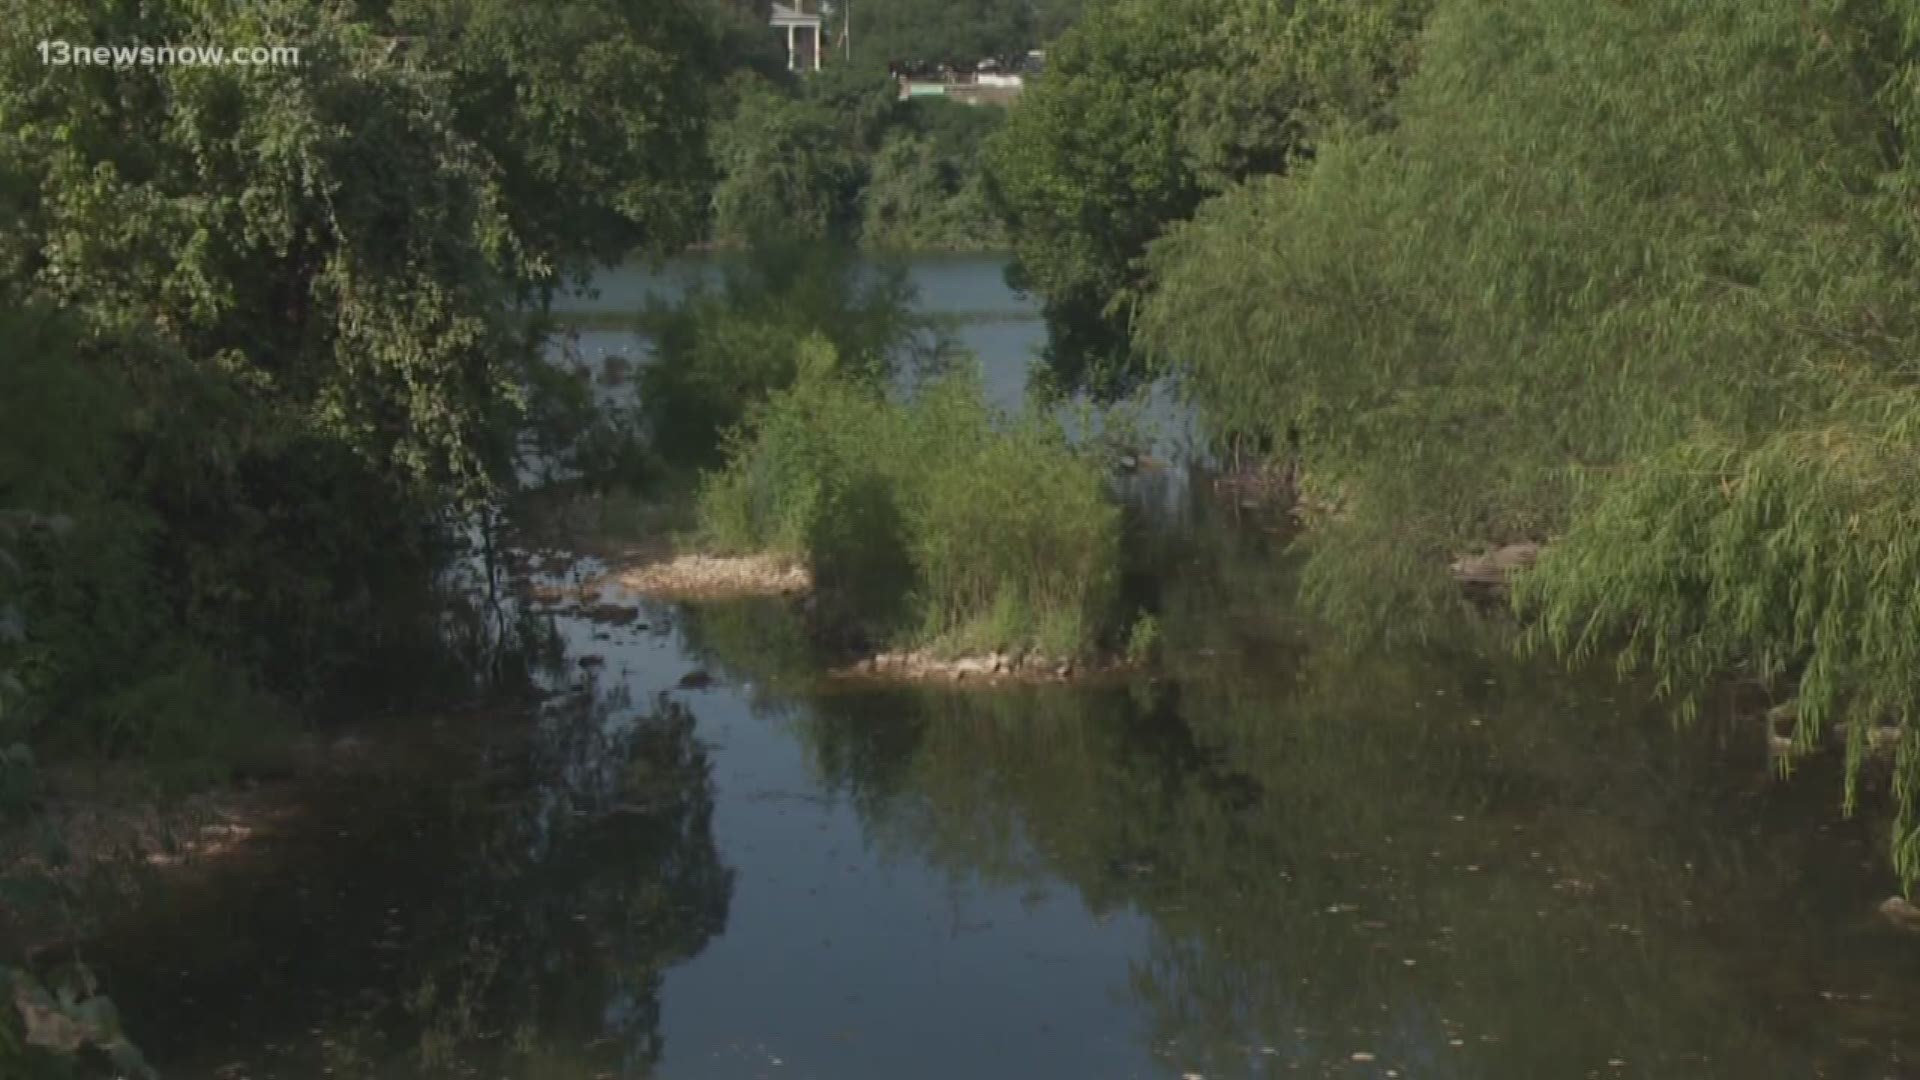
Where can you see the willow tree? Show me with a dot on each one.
(1638, 278)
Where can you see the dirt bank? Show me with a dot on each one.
(714, 577)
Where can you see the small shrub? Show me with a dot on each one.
(615, 370)
(1011, 520)
(1143, 640)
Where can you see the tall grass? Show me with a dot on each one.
(932, 522)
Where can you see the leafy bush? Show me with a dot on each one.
(1143, 639)
(932, 521)
(920, 198)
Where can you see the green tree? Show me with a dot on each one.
(925, 189)
(838, 154)
(1148, 108)
(934, 31)
(296, 289)
(863, 97)
(786, 168)
(593, 112)
(1051, 18)
(1571, 296)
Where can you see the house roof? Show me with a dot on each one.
(785, 15)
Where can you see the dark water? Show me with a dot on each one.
(1276, 859)
(1273, 859)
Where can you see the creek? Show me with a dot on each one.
(695, 858)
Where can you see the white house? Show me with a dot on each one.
(802, 32)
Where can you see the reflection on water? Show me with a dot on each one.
(966, 294)
(1279, 859)
(494, 901)
(970, 286)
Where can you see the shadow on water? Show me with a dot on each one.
(494, 895)
(1275, 858)
(1444, 865)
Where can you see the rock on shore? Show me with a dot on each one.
(1494, 568)
(997, 667)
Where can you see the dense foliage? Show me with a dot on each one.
(784, 168)
(940, 31)
(266, 336)
(1639, 279)
(925, 188)
(838, 154)
(928, 522)
(1147, 109)
(266, 342)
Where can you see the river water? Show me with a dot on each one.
(966, 295)
(1278, 858)
(999, 326)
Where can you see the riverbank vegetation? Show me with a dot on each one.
(265, 347)
(1638, 281)
(260, 365)
(929, 522)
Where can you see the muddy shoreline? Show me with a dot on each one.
(665, 573)
(103, 837)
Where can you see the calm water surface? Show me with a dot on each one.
(1278, 859)
(1003, 329)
